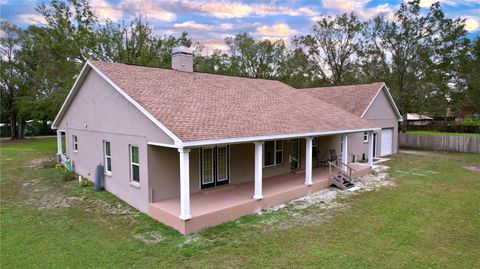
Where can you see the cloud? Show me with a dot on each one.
(226, 26)
(192, 25)
(472, 24)
(279, 29)
(359, 7)
(213, 44)
(152, 9)
(32, 19)
(453, 3)
(274, 39)
(105, 10)
(228, 9)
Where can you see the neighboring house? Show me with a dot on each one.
(372, 102)
(194, 150)
(418, 119)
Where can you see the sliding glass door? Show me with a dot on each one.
(215, 164)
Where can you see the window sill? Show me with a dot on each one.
(365, 141)
(75, 151)
(135, 184)
(273, 165)
(107, 174)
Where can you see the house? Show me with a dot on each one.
(418, 119)
(193, 150)
(372, 102)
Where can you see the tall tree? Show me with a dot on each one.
(10, 73)
(332, 46)
(135, 43)
(250, 58)
(415, 47)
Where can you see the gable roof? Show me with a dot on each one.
(355, 99)
(199, 106)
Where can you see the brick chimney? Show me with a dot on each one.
(182, 59)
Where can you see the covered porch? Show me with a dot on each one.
(217, 205)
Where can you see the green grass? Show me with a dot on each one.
(441, 133)
(430, 219)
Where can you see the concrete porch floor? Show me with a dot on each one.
(214, 206)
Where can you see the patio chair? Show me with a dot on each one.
(333, 156)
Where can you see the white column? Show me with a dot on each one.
(345, 151)
(59, 142)
(184, 184)
(258, 170)
(370, 148)
(308, 160)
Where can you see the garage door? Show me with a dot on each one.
(386, 142)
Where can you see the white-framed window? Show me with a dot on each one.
(134, 164)
(272, 153)
(75, 143)
(107, 157)
(365, 136)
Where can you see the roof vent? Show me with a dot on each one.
(182, 59)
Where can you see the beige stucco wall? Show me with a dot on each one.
(382, 114)
(164, 174)
(100, 113)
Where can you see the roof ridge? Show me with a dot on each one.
(195, 72)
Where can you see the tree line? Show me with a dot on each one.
(425, 58)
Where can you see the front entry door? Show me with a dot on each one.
(215, 166)
(295, 153)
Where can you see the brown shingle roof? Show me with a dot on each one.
(352, 98)
(199, 106)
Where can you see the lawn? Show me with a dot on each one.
(442, 133)
(429, 219)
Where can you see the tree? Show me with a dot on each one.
(416, 49)
(10, 73)
(258, 59)
(135, 43)
(332, 46)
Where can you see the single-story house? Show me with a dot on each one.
(418, 119)
(193, 150)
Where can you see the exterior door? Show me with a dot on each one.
(295, 153)
(215, 166)
(386, 141)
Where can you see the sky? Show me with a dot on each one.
(210, 22)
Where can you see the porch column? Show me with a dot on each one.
(370, 148)
(59, 142)
(258, 170)
(345, 151)
(308, 160)
(184, 184)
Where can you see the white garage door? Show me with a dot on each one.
(386, 142)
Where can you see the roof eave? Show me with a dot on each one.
(236, 140)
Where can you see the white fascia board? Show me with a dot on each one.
(70, 96)
(237, 140)
(137, 105)
(175, 146)
(390, 99)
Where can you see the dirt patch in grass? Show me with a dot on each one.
(149, 237)
(325, 202)
(39, 162)
(472, 168)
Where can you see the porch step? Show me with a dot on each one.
(342, 182)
